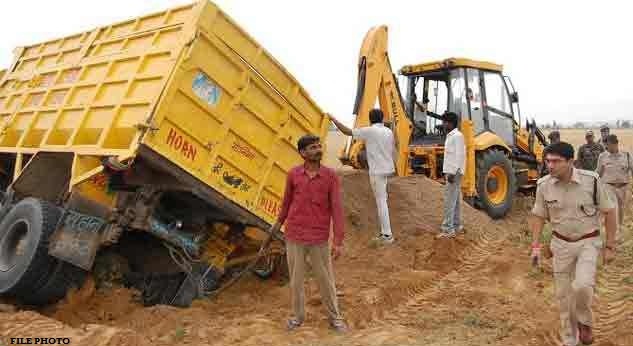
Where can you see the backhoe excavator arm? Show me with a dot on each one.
(377, 80)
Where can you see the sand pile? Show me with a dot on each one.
(475, 289)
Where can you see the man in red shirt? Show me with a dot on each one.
(311, 201)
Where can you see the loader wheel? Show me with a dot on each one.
(24, 233)
(496, 183)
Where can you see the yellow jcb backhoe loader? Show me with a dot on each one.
(502, 157)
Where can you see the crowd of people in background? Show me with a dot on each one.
(609, 161)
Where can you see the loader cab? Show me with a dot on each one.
(476, 91)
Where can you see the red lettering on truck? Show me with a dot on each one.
(180, 144)
(270, 206)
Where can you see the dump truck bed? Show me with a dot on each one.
(186, 88)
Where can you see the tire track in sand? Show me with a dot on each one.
(483, 245)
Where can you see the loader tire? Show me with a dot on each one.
(496, 183)
(24, 233)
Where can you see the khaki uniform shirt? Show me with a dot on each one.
(588, 156)
(569, 207)
(615, 168)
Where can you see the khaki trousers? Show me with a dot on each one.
(574, 277)
(321, 264)
(622, 197)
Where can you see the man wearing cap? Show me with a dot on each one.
(604, 132)
(554, 136)
(615, 168)
(573, 201)
(588, 153)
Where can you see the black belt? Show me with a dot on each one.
(569, 240)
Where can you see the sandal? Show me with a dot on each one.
(339, 326)
(293, 324)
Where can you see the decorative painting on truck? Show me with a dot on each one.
(206, 90)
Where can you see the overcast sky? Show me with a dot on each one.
(569, 60)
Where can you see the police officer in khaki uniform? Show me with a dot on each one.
(588, 153)
(554, 137)
(615, 169)
(604, 133)
(572, 200)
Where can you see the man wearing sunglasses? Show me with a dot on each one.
(573, 201)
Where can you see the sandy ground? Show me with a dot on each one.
(477, 289)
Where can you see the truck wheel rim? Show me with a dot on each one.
(13, 245)
(497, 185)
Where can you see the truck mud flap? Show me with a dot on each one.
(77, 239)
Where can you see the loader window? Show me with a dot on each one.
(475, 97)
(434, 94)
(498, 107)
(515, 105)
(459, 102)
(430, 101)
(438, 96)
(496, 93)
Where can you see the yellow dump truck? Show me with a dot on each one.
(153, 151)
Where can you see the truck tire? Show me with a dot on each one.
(24, 233)
(496, 183)
(64, 277)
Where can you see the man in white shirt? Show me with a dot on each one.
(380, 147)
(454, 164)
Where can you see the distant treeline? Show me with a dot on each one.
(620, 124)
